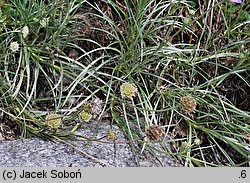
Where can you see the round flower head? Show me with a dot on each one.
(14, 46)
(128, 90)
(85, 116)
(110, 134)
(25, 31)
(154, 132)
(86, 107)
(188, 104)
(197, 141)
(53, 120)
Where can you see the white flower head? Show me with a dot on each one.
(85, 116)
(44, 22)
(14, 46)
(191, 12)
(128, 90)
(25, 31)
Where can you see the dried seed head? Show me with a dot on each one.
(188, 104)
(128, 90)
(154, 132)
(85, 116)
(53, 120)
(95, 107)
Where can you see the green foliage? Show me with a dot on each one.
(164, 51)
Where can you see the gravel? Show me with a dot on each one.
(36, 152)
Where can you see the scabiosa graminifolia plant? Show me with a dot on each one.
(91, 109)
(54, 121)
(14, 46)
(128, 90)
(154, 132)
(188, 104)
(85, 116)
(110, 134)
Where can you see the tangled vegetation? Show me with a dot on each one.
(165, 71)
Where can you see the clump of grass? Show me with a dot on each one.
(167, 72)
(168, 58)
(36, 74)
